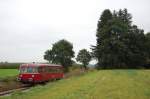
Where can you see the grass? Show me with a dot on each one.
(8, 79)
(8, 72)
(103, 84)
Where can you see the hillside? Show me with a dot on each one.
(103, 84)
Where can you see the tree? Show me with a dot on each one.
(84, 57)
(136, 53)
(101, 28)
(148, 44)
(119, 43)
(48, 56)
(61, 53)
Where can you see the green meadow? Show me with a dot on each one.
(8, 72)
(103, 84)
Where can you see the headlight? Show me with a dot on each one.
(32, 76)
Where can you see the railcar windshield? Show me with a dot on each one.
(28, 70)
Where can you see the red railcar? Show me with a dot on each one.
(36, 73)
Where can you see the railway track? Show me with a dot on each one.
(22, 88)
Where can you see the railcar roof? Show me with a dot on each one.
(37, 65)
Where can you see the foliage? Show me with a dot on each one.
(84, 57)
(104, 84)
(61, 53)
(49, 56)
(119, 43)
(148, 44)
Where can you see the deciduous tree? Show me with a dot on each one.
(84, 57)
(61, 53)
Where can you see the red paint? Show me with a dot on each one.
(35, 73)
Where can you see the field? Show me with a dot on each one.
(9, 65)
(104, 84)
(8, 79)
(8, 72)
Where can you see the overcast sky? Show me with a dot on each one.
(29, 27)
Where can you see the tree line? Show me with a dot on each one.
(120, 44)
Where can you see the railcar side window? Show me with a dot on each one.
(30, 70)
(35, 70)
(54, 70)
(57, 70)
(49, 70)
(41, 69)
(23, 69)
(60, 70)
